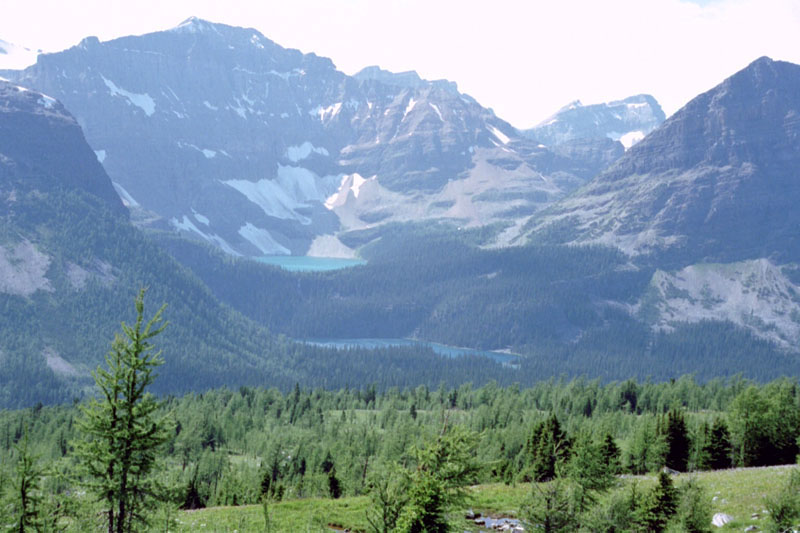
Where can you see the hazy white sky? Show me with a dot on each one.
(523, 58)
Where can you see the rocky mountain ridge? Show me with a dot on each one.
(626, 121)
(223, 135)
(718, 181)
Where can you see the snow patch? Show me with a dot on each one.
(502, 137)
(127, 199)
(298, 153)
(255, 41)
(207, 153)
(282, 75)
(409, 107)
(238, 109)
(436, 108)
(292, 190)
(200, 218)
(326, 112)
(262, 240)
(631, 138)
(211, 107)
(186, 224)
(351, 183)
(101, 155)
(142, 101)
(46, 102)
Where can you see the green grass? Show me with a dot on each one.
(738, 492)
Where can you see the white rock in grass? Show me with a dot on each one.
(720, 519)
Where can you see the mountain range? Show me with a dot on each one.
(709, 198)
(225, 136)
(158, 160)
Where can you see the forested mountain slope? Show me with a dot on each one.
(71, 264)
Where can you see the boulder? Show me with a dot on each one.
(720, 519)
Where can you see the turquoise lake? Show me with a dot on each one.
(507, 359)
(302, 263)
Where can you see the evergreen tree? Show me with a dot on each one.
(661, 504)
(610, 453)
(718, 447)
(553, 508)
(677, 440)
(334, 485)
(547, 448)
(27, 489)
(121, 427)
(694, 508)
(444, 468)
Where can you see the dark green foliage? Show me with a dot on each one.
(547, 450)
(610, 454)
(235, 446)
(676, 439)
(660, 505)
(718, 447)
(334, 485)
(765, 424)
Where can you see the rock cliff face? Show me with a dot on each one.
(719, 180)
(42, 147)
(226, 136)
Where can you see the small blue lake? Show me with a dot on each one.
(302, 263)
(507, 359)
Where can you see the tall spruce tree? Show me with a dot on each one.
(718, 448)
(661, 504)
(677, 439)
(547, 448)
(121, 427)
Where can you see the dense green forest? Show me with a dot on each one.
(549, 303)
(234, 447)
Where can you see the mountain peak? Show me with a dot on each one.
(409, 79)
(717, 181)
(627, 120)
(193, 25)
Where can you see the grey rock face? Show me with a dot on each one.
(627, 121)
(228, 137)
(42, 147)
(718, 181)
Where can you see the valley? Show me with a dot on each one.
(379, 306)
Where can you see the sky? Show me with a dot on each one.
(523, 58)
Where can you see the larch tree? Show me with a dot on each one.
(122, 426)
